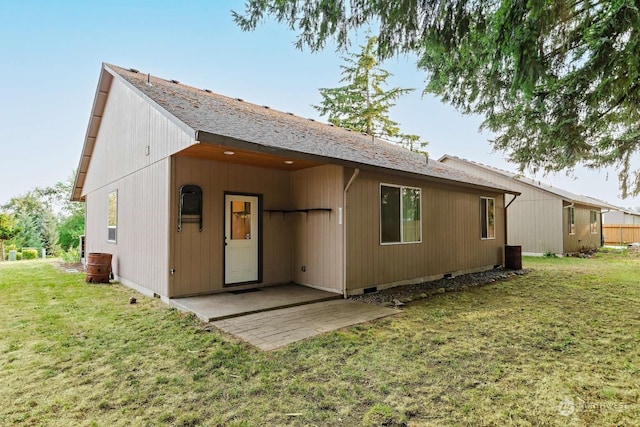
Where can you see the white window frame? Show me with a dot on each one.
(572, 220)
(115, 225)
(593, 226)
(487, 218)
(401, 187)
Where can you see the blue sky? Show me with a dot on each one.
(51, 53)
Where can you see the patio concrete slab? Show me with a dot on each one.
(273, 329)
(230, 304)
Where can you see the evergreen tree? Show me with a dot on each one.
(70, 230)
(557, 81)
(29, 234)
(49, 232)
(45, 215)
(7, 231)
(363, 103)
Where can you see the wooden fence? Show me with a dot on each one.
(621, 234)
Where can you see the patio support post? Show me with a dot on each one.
(344, 231)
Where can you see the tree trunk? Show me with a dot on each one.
(1, 250)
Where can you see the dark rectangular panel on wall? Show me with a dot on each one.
(190, 210)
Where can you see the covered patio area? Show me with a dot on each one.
(238, 303)
(274, 316)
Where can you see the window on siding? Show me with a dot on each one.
(400, 216)
(594, 222)
(572, 220)
(112, 217)
(488, 217)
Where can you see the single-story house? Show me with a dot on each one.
(194, 193)
(618, 215)
(542, 219)
(620, 225)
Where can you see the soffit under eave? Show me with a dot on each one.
(208, 137)
(586, 204)
(107, 75)
(495, 172)
(97, 110)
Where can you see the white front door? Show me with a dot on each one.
(241, 239)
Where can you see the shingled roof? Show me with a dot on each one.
(564, 194)
(209, 114)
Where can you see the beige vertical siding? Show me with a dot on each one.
(140, 254)
(618, 217)
(450, 234)
(198, 256)
(534, 219)
(130, 125)
(131, 156)
(318, 235)
(583, 238)
(614, 217)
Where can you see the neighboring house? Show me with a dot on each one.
(620, 226)
(543, 219)
(617, 215)
(194, 193)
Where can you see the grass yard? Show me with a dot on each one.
(559, 346)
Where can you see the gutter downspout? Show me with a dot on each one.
(602, 226)
(506, 240)
(356, 172)
(564, 232)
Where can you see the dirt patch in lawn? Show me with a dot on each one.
(558, 346)
(70, 267)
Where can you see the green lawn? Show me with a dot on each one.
(504, 354)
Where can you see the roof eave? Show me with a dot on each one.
(99, 102)
(221, 140)
(107, 75)
(505, 174)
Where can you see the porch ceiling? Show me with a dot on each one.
(245, 157)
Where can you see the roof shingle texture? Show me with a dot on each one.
(220, 115)
(566, 195)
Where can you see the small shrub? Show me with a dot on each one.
(18, 256)
(550, 254)
(29, 253)
(71, 256)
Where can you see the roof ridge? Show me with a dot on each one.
(544, 186)
(211, 114)
(253, 104)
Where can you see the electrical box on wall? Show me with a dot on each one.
(190, 208)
